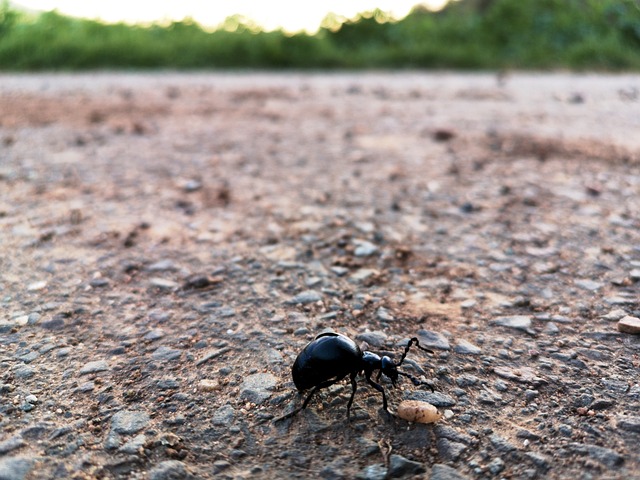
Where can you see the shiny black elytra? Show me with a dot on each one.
(332, 356)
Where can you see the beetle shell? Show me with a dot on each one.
(419, 412)
(329, 356)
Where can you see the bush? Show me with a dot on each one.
(467, 34)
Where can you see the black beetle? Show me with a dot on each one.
(332, 356)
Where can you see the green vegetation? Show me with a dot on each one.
(467, 34)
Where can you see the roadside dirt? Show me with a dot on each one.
(170, 242)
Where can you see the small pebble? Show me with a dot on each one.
(163, 283)
(36, 286)
(208, 385)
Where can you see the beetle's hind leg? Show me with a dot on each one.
(325, 384)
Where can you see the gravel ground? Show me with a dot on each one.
(170, 242)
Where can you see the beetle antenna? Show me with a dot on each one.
(406, 349)
(415, 381)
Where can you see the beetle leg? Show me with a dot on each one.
(380, 388)
(354, 387)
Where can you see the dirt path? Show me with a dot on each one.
(169, 243)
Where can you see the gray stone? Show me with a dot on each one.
(112, 441)
(94, 367)
(170, 470)
(373, 472)
(340, 271)
(620, 301)
(162, 266)
(11, 444)
(99, 282)
(163, 283)
(134, 445)
(87, 387)
(384, 315)
(467, 380)
(440, 471)
(629, 423)
(364, 274)
(615, 315)
(14, 468)
(224, 415)
(467, 304)
(168, 384)
(23, 372)
(164, 353)
(400, 466)
(128, 421)
(220, 465)
(444, 431)
(542, 462)
(588, 284)
(154, 335)
(496, 466)
(518, 322)
(431, 339)
(449, 450)
(306, 297)
(466, 348)
(527, 434)
(565, 430)
(606, 456)
(29, 357)
(439, 399)
(501, 444)
(257, 388)
(364, 248)
(375, 339)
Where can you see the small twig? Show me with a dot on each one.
(386, 452)
(212, 354)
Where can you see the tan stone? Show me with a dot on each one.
(629, 324)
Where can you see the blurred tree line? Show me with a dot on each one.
(466, 34)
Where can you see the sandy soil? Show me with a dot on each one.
(170, 242)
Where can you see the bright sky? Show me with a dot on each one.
(270, 14)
